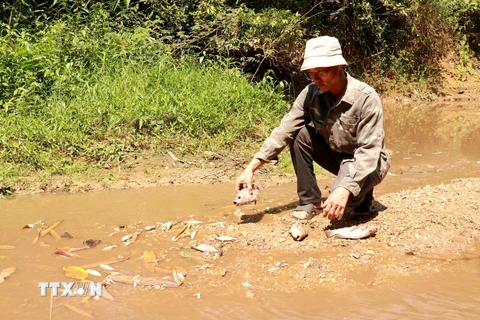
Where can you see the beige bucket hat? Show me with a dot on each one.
(322, 52)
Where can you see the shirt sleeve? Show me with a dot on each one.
(370, 137)
(281, 136)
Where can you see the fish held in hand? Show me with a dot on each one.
(355, 232)
(244, 197)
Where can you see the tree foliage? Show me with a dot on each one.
(389, 38)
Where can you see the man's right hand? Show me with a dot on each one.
(246, 177)
(243, 179)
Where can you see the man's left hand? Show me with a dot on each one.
(334, 206)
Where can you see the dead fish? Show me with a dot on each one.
(193, 222)
(225, 238)
(130, 238)
(165, 226)
(66, 253)
(355, 232)
(94, 272)
(298, 232)
(106, 267)
(244, 197)
(5, 273)
(110, 247)
(207, 249)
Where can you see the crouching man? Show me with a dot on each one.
(336, 121)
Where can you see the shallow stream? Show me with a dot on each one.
(427, 153)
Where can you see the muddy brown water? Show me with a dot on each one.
(420, 156)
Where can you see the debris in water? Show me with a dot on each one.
(49, 229)
(76, 272)
(106, 267)
(110, 247)
(187, 227)
(94, 273)
(5, 273)
(130, 238)
(66, 254)
(225, 238)
(207, 249)
(149, 260)
(91, 243)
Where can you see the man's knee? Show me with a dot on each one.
(303, 137)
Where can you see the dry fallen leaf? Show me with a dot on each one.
(6, 247)
(107, 295)
(75, 272)
(149, 260)
(5, 273)
(187, 227)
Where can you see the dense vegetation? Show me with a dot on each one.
(85, 83)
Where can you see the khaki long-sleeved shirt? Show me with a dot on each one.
(352, 124)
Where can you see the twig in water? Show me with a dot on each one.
(51, 304)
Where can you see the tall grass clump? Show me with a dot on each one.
(77, 98)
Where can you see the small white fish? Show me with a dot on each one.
(219, 224)
(110, 247)
(150, 228)
(193, 221)
(106, 267)
(206, 248)
(355, 232)
(94, 272)
(225, 238)
(298, 232)
(165, 226)
(128, 236)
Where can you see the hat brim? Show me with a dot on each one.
(322, 62)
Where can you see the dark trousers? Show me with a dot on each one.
(308, 146)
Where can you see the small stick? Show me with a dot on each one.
(51, 304)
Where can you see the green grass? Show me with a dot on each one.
(117, 95)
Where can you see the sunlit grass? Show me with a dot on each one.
(129, 98)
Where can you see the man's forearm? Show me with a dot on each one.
(254, 165)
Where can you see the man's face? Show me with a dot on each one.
(325, 78)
